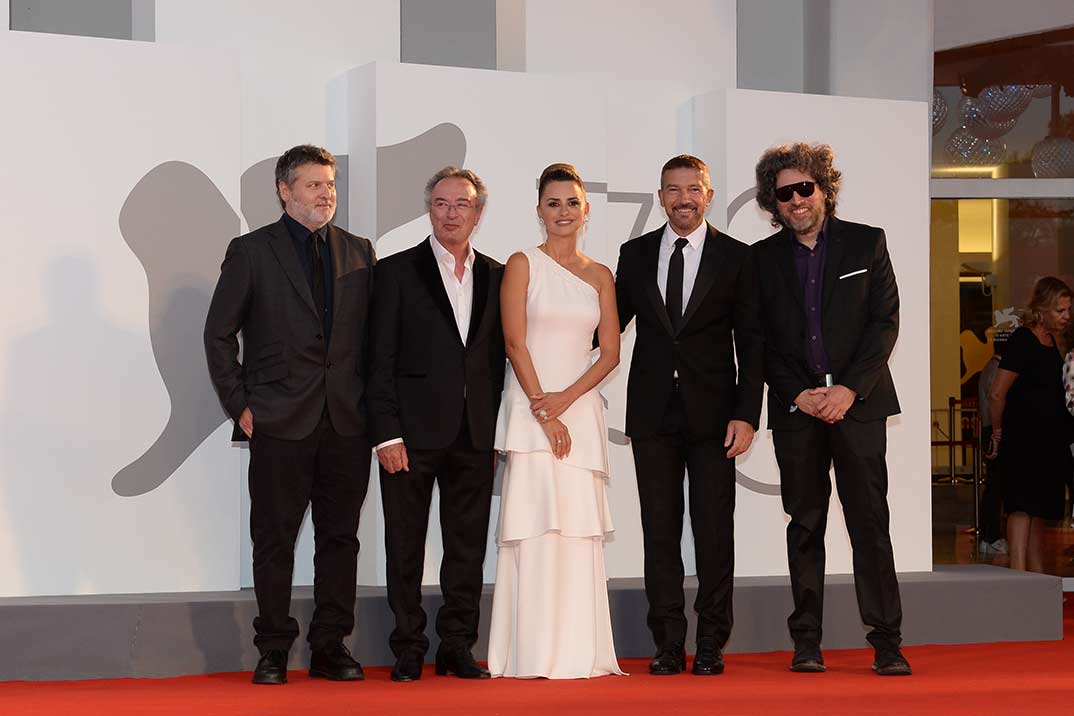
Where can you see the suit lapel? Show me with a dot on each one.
(832, 261)
(650, 257)
(281, 244)
(481, 297)
(341, 264)
(787, 268)
(706, 274)
(430, 275)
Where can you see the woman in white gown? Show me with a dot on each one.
(550, 609)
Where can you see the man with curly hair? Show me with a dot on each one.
(831, 318)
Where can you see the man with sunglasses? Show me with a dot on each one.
(830, 309)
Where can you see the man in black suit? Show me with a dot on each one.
(299, 290)
(694, 295)
(830, 309)
(437, 374)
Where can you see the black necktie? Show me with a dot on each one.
(673, 292)
(317, 284)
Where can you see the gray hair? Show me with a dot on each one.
(451, 172)
(298, 156)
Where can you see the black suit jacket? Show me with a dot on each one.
(719, 321)
(860, 321)
(288, 373)
(421, 372)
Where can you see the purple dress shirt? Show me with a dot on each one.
(810, 266)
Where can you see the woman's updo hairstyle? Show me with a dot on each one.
(559, 171)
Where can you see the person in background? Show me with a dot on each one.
(1031, 427)
(1068, 398)
(990, 539)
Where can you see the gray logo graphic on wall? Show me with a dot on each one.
(177, 223)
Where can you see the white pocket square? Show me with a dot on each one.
(852, 273)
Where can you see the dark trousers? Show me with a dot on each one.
(661, 462)
(330, 473)
(805, 457)
(464, 476)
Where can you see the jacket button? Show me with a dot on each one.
(319, 337)
(329, 364)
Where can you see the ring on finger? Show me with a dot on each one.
(542, 414)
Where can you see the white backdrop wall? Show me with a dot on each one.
(290, 64)
(84, 394)
(287, 59)
(85, 121)
(393, 104)
(741, 124)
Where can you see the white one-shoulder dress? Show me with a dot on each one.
(550, 613)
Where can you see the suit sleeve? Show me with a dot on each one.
(782, 379)
(623, 294)
(882, 329)
(381, 394)
(227, 314)
(749, 343)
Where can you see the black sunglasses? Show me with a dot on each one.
(803, 189)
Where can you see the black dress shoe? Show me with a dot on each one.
(670, 659)
(336, 664)
(708, 661)
(271, 667)
(890, 661)
(807, 659)
(461, 663)
(408, 667)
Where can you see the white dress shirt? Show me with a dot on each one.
(691, 259)
(459, 293)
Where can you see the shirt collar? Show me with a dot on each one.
(444, 256)
(822, 237)
(696, 237)
(299, 232)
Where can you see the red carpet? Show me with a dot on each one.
(983, 679)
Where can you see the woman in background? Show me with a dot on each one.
(1031, 427)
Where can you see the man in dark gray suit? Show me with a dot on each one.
(299, 290)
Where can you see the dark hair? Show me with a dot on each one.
(295, 157)
(686, 161)
(1046, 293)
(816, 160)
(559, 171)
(455, 172)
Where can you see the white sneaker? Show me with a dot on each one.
(999, 546)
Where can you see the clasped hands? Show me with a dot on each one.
(546, 408)
(827, 404)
